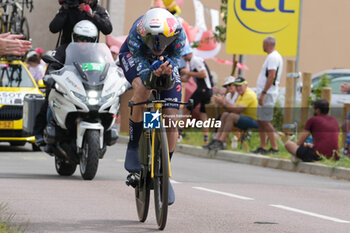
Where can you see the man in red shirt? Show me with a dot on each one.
(325, 134)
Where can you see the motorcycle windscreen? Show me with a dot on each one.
(92, 57)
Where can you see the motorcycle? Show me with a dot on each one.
(83, 106)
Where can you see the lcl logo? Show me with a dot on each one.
(260, 6)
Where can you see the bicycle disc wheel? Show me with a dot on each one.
(15, 25)
(25, 29)
(161, 178)
(142, 190)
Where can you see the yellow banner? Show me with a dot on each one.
(250, 21)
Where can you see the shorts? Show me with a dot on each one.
(306, 154)
(265, 113)
(201, 96)
(130, 72)
(245, 123)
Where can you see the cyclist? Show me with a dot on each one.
(83, 31)
(152, 50)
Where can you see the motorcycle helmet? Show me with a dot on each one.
(158, 28)
(85, 31)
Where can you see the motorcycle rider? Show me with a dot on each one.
(153, 48)
(83, 32)
(73, 11)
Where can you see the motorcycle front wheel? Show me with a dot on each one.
(91, 154)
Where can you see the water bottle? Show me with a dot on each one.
(234, 142)
(309, 140)
(347, 145)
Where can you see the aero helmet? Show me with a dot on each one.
(158, 28)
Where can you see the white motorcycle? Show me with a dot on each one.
(83, 106)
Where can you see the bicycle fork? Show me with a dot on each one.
(158, 107)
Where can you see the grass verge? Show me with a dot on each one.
(195, 138)
(7, 224)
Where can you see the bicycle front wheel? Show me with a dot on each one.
(142, 190)
(161, 178)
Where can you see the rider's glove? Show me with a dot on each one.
(87, 8)
(156, 64)
(170, 62)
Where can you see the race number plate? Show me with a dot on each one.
(11, 98)
(6, 125)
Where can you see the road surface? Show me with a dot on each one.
(211, 196)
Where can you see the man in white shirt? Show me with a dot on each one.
(204, 91)
(267, 91)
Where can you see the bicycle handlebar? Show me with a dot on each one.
(132, 104)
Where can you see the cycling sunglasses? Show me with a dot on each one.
(158, 42)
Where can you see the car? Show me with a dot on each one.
(337, 78)
(15, 82)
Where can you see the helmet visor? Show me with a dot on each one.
(80, 38)
(158, 42)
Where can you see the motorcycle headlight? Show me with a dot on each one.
(93, 101)
(59, 89)
(92, 94)
(79, 96)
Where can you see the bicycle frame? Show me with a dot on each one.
(157, 107)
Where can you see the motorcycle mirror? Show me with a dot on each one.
(49, 59)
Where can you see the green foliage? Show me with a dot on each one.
(277, 120)
(325, 80)
(220, 31)
(7, 221)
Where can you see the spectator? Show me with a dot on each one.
(13, 45)
(241, 115)
(34, 67)
(40, 53)
(267, 91)
(204, 91)
(345, 88)
(73, 11)
(325, 133)
(231, 93)
(115, 53)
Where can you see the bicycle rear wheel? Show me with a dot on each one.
(161, 178)
(142, 190)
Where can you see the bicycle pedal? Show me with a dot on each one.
(132, 180)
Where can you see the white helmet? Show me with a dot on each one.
(85, 31)
(158, 28)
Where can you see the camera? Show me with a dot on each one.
(70, 3)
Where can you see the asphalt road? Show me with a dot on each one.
(211, 196)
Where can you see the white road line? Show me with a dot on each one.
(310, 213)
(225, 194)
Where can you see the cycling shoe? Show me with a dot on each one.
(132, 163)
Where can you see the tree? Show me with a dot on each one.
(220, 32)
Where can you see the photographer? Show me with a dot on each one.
(73, 11)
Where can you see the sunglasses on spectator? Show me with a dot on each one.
(228, 85)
